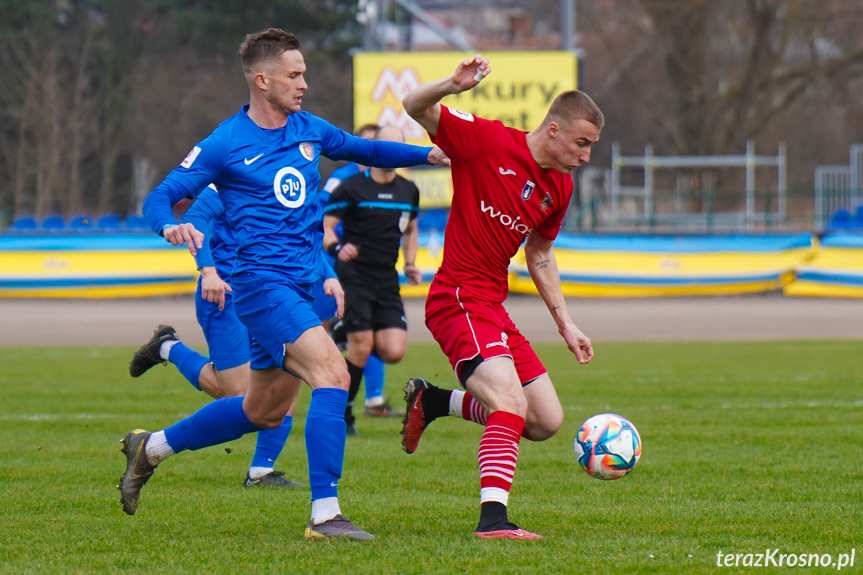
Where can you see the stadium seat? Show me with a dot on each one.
(108, 223)
(80, 223)
(53, 223)
(136, 224)
(23, 224)
(858, 218)
(840, 220)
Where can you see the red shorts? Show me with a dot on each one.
(466, 326)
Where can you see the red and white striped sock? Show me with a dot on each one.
(462, 404)
(498, 454)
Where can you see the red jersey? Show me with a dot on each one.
(500, 195)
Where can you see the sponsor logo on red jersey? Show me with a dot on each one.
(505, 220)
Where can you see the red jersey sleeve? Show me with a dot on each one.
(551, 226)
(462, 135)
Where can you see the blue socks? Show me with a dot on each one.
(188, 361)
(217, 422)
(325, 440)
(271, 442)
(373, 375)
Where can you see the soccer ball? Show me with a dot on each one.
(607, 446)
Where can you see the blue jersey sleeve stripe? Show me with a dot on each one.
(336, 206)
(389, 206)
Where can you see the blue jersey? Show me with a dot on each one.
(207, 214)
(268, 182)
(219, 248)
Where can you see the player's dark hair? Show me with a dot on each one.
(576, 105)
(266, 44)
(367, 128)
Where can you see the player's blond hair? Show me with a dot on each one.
(574, 105)
(264, 45)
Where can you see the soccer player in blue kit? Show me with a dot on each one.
(264, 162)
(225, 373)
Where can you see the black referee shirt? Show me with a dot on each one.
(374, 216)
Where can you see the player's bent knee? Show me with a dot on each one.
(391, 356)
(268, 422)
(545, 427)
(334, 375)
(541, 433)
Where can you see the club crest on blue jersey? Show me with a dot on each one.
(527, 190)
(307, 151)
(545, 203)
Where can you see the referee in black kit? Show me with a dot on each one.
(378, 211)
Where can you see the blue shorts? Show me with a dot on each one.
(323, 305)
(227, 337)
(275, 311)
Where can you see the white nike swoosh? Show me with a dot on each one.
(417, 402)
(248, 161)
(506, 172)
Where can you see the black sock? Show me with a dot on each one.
(356, 374)
(435, 403)
(492, 516)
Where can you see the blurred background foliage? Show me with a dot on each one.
(101, 98)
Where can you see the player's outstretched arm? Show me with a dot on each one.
(423, 103)
(542, 265)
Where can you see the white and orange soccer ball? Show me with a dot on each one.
(607, 446)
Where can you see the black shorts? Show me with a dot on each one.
(372, 300)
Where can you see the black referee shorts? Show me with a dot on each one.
(372, 300)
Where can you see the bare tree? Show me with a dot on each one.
(701, 77)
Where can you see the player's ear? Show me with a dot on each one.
(260, 81)
(553, 129)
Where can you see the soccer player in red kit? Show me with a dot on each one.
(509, 187)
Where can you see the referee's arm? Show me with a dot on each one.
(410, 246)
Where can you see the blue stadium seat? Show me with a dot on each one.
(80, 223)
(136, 224)
(108, 223)
(858, 218)
(53, 223)
(840, 220)
(432, 219)
(23, 224)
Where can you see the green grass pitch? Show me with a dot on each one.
(748, 447)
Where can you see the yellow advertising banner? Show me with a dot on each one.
(518, 92)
